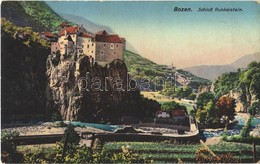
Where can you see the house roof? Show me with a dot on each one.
(103, 32)
(85, 35)
(107, 38)
(70, 30)
(123, 39)
(178, 112)
(48, 34)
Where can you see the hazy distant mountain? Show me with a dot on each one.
(211, 72)
(245, 60)
(88, 25)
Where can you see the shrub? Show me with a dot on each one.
(71, 135)
(128, 156)
(8, 148)
(73, 154)
(203, 156)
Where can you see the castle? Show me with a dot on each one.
(101, 46)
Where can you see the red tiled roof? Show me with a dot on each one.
(70, 30)
(85, 35)
(178, 112)
(48, 34)
(107, 38)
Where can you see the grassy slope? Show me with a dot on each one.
(150, 69)
(42, 14)
(35, 14)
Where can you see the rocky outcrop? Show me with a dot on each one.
(83, 90)
(203, 89)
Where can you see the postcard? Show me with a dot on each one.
(130, 81)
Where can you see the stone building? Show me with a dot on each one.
(108, 47)
(103, 47)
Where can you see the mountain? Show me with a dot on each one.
(140, 67)
(245, 60)
(211, 72)
(88, 25)
(35, 14)
(14, 12)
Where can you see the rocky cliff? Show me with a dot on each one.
(23, 79)
(80, 89)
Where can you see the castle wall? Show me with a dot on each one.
(85, 46)
(55, 46)
(107, 52)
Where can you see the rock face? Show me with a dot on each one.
(204, 88)
(23, 79)
(83, 90)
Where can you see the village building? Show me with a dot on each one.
(176, 114)
(179, 114)
(102, 46)
(162, 114)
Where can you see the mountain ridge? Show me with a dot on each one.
(211, 72)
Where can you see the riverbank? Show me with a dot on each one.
(218, 131)
(47, 128)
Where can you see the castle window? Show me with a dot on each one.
(92, 44)
(101, 52)
(114, 53)
(92, 52)
(88, 46)
(89, 40)
(105, 45)
(117, 46)
(112, 46)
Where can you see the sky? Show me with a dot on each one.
(182, 38)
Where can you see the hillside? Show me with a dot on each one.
(141, 67)
(244, 83)
(35, 14)
(211, 72)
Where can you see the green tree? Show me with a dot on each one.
(168, 106)
(254, 109)
(249, 83)
(204, 98)
(211, 113)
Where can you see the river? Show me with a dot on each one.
(235, 130)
